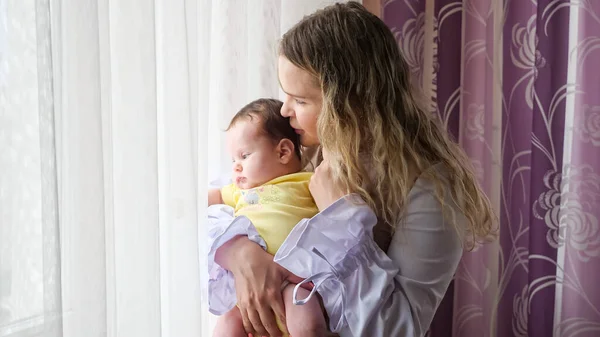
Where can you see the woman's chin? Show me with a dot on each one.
(308, 141)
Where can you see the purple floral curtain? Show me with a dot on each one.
(517, 83)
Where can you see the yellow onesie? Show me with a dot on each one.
(274, 207)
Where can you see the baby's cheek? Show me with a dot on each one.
(256, 170)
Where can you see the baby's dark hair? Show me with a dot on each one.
(274, 125)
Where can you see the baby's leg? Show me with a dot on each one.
(303, 320)
(230, 325)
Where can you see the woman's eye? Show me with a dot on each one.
(300, 102)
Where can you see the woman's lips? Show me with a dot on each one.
(298, 131)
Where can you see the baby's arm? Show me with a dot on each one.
(303, 320)
(230, 324)
(214, 197)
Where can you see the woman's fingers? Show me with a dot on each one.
(257, 329)
(246, 321)
(268, 320)
(269, 305)
(258, 287)
(279, 309)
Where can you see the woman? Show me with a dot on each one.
(348, 91)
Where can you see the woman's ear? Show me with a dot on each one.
(286, 151)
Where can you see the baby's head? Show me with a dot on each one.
(262, 144)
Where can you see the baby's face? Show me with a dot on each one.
(254, 155)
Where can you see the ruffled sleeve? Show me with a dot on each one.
(222, 227)
(364, 290)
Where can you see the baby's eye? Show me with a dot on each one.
(245, 155)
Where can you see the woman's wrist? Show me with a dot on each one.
(227, 255)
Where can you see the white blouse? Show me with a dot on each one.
(365, 291)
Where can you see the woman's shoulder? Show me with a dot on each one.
(428, 242)
(431, 179)
(430, 204)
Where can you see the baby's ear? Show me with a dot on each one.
(286, 150)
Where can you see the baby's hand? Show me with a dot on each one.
(322, 187)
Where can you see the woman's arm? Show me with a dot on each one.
(365, 290)
(231, 251)
(426, 251)
(242, 272)
(257, 284)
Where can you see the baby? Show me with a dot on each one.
(270, 189)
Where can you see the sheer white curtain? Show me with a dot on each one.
(109, 113)
(128, 176)
(30, 297)
(98, 171)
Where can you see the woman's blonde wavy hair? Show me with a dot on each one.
(370, 111)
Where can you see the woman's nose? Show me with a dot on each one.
(286, 111)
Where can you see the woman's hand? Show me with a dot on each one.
(322, 187)
(258, 282)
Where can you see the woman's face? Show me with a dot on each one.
(303, 100)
